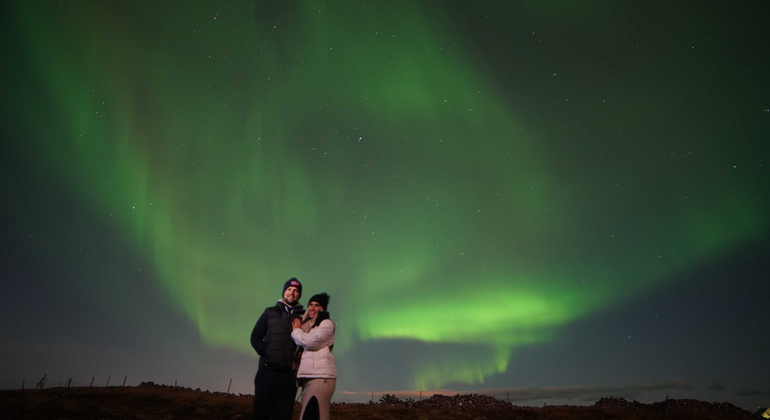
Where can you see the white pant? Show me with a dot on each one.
(322, 389)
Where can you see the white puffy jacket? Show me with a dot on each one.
(317, 360)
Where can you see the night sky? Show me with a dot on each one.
(544, 201)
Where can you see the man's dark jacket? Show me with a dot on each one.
(271, 336)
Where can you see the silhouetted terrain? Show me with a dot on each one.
(149, 401)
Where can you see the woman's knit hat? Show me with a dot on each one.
(322, 299)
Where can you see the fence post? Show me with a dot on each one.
(108, 381)
(228, 386)
(124, 380)
(92, 382)
(41, 384)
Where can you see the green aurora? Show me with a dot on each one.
(376, 154)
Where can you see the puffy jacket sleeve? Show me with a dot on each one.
(317, 338)
(258, 334)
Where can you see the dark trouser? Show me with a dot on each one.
(274, 393)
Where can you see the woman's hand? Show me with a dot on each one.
(296, 323)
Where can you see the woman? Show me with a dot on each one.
(317, 373)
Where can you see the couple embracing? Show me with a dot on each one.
(295, 347)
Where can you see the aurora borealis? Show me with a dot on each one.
(498, 195)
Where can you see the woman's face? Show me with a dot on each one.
(312, 309)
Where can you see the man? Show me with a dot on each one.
(274, 385)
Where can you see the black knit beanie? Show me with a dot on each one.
(322, 299)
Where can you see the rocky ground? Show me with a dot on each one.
(149, 401)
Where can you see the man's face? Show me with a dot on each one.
(291, 295)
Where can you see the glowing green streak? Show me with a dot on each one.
(456, 367)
